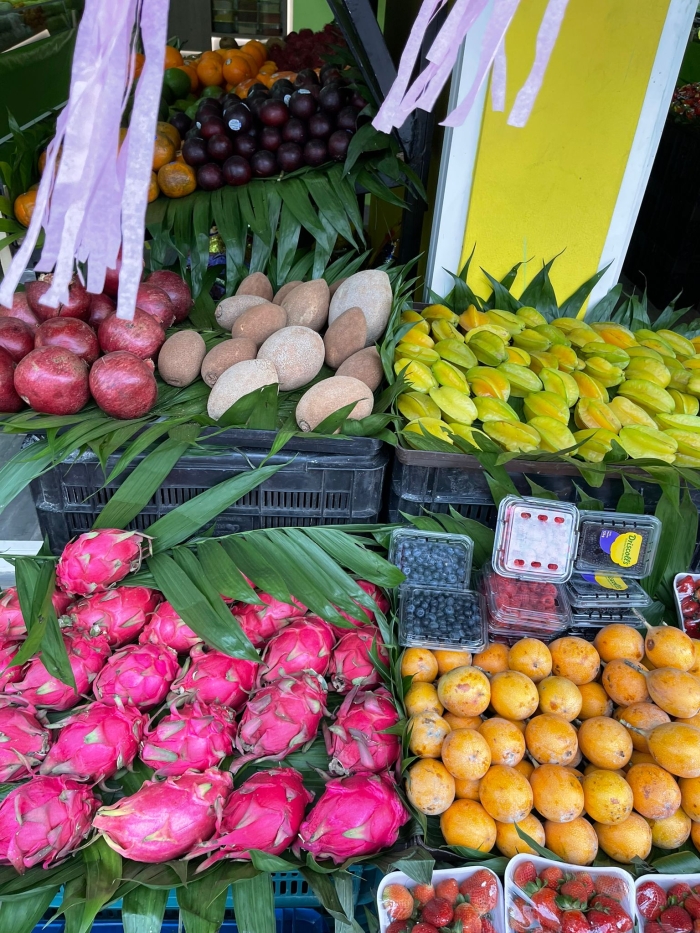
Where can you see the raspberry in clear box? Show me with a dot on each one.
(432, 558)
(524, 605)
(535, 539)
(617, 543)
(602, 591)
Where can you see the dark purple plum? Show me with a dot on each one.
(273, 113)
(290, 157)
(237, 171)
(330, 99)
(302, 105)
(193, 132)
(282, 90)
(256, 105)
(295, 132)
(194, 151)
(244, 145)
(210, 177)
(270, 138)
(338, 143)
(220, 148)
(209, 107)
(315, 152)
(212, 126)
(347, 119)
(257, 87)
(181, 122)
(321, 126)
(264, 164)
(330, 75)
(228, 100)
(358, 101)
(306, 76)
(239, 119)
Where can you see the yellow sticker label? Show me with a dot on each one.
(625, 549)
(610, 583)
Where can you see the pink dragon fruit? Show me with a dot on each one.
(356, 741)
(163, 820)
(11, 621)
(305, 645)
(24, 740)
(86, 654)
(95, 743)
(375, 594)
(270, 616)
(9, 674)
(264, 813)
(119, 614)
(214, 677)
(195, 737)
(97, 559)
(43, 821)
(356, 816)
(351, 664)
(165, 627)
(280, 718)
(137, 675)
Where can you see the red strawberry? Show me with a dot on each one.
(680, 891)
(696, 889)
(585, 879)
(651, 900)
(524, 874)
(692, 905)
(438, 912)
(599, 921)
(676, 920)
(481, 889)
(521, 916)
(397, 901)
(611, 886)
(421, 927)
(487, 926)
(614, 910)
(422, 893)
(552, 877)
(448, 890)
(397, 926)
(546, 909)
(574, 921)
(467, 919)
(653, 926)
(574, 891)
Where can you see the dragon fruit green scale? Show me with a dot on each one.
(98, 559)
(356, 740)
(214, 677)
(305, 645)
(137, 675)
(166, 627)
(351, 663)
(119, 614)
(195, 737)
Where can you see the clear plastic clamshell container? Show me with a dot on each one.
(524, 607)
(598, 591)
(598, 618)
(686, 590)
(432, 558)
(617, 543)
(535, 539)
(448, 619)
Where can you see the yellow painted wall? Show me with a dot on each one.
(553, 184)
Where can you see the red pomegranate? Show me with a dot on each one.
(53, 381)
(143, 336)
(156, 302)
(123, 385)
(78, 304)
(9, 400)
(69, 332)
(177, 290)
(111, 286)
(101, 306)
(20, 309)
(16, 337)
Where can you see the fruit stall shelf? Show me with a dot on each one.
(325, 481)
(435, 481)
(289, 920)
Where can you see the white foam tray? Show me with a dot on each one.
(665, 882)
(680, 576)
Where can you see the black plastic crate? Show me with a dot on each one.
(325, 481)
(433, 481)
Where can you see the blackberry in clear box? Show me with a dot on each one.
(436, 559)
(617, 543)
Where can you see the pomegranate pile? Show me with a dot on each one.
(56, 359)
(148, 687)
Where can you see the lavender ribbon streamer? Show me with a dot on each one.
(546, 38)
(498, 79)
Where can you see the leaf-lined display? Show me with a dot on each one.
(143, 910)
(102, 875)
(254, 903)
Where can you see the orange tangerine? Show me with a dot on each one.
(176, 180)
(173, 59)
(210, 72)
(259, 51)
(163, 151)
(153, 189)
(235, 69)
(139, 62)
(191, 73)
(167, 129)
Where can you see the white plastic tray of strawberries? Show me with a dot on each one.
(459, 874)
(677, 596)
(665, 882)
(629, 902)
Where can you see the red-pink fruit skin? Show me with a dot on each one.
(16, 337)
(9, 399)
(53, 380)
(177, 290)
(20, 309)
(123, 385)
(71, 333)
(101, 307)
(78, 304)
(143, 336)
(111, 286)
(154, 301)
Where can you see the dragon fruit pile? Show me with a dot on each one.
(147, 687)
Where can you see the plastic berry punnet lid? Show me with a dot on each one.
(432, 558)
(449, 619)
(603, 591)
(617, 543)
(535, 539)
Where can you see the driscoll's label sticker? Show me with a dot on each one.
(623, 548)
(609, 583)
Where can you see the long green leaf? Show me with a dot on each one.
(143, 910)
(574, 303)
(212, 621)
(348, 553)
(21, 914)
(198, 913)
(36, 582)
(223, 573)
(103, 868)
(188, 518)
(254, 903)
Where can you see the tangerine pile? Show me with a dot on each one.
(581, 745)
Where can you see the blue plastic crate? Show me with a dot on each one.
(289, 920)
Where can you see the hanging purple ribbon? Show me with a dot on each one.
(546, 39)
(93, 201)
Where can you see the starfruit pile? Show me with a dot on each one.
(532, 385)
